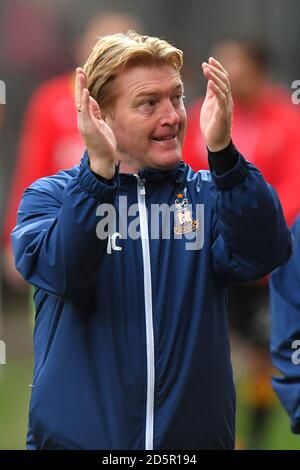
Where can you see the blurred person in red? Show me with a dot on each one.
(50, 139)
(23, 55)
(265, 122)
(2, 108)
(266, 129)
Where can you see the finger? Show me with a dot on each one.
(217, 92)
(212, 76)
(82, 75)
(95, 108)
(85, 114)
(222, 76)
(78, 89)
(218, 65)
(209, 91)
(80, 84)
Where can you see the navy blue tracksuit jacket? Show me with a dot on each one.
(131, 338)
(285, 332)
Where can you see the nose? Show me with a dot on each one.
(169, 115)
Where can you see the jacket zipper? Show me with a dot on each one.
(141, 192)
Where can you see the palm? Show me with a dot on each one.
(212, 119)
(213, 122)
(98, 134)
(216, 112)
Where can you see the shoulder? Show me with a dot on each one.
(44, 197)
(196, 177)
(53, 185)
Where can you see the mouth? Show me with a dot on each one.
(169, 137)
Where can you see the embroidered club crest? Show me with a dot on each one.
(184, 222)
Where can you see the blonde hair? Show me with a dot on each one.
(115, 52)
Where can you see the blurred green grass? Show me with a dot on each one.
(277, 434)
(16, 376)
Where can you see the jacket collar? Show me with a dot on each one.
(154, 176)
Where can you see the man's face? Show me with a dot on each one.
(149, 118)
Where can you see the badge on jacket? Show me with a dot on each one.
(184, 222)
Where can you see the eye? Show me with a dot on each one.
(148, 105)
(178, 98)
(151, 102)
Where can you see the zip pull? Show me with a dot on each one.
(142, 189)
(141, 184)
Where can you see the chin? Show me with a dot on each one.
(166, 161)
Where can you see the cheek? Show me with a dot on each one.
(129, 139)
(122, 133)
(183, 116)
(183, 121)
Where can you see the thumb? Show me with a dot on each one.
(209, 89)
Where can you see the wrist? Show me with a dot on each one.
(223, 160)
(102, 167)
(219, 147)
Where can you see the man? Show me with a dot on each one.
(131, 341)
(285, 332)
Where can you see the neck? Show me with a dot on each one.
(126, 168)
(133, 166)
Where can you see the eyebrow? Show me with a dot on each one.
(145, 93)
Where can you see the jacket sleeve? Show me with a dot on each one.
(55, 244)
(285, 332)
(250, 235)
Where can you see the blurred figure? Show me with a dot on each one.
(2, 110)
(24, 54)
(266, 129)
(50, 140)
(285, 332)
(2, 113)
(265, 123)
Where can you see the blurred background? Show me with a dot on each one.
(41, 42)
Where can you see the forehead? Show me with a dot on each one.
(147, 79)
